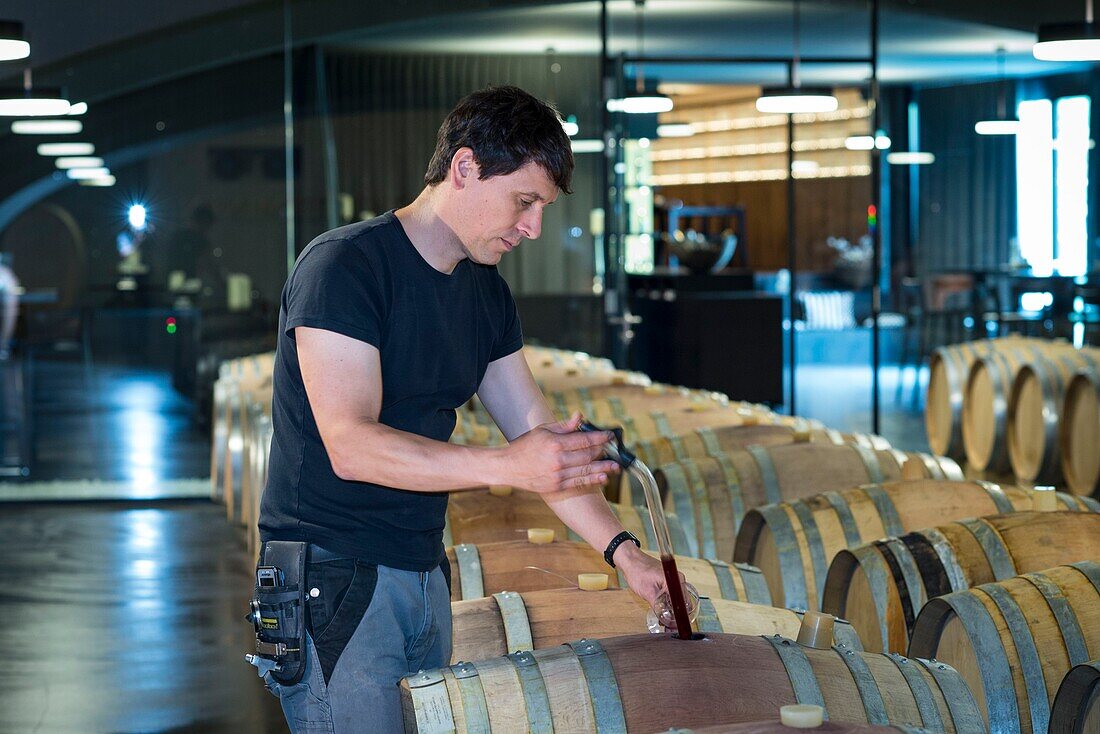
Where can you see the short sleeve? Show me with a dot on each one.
(510, 336)
(335, 288)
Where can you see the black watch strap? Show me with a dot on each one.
(609, 554)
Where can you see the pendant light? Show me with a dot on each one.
(63, 149)
(68, 162)
(1069, 41)
(12, 43)
(47, 127)
(640, 102)
(1002, 125)
(31, 102)
(795, 98)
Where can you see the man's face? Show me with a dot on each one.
(502, 211)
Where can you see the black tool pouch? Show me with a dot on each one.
(278, 611)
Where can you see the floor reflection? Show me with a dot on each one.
(128, 618)
(119, 424)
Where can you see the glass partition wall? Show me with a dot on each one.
(709, 244)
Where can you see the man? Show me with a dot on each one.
(386, 327)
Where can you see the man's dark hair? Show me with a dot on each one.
(506, 128)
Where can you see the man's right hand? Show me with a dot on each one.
(557, 456)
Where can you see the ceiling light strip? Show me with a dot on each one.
(771, 174)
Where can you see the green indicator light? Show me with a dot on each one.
(171, 328)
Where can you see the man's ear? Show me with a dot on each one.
(464, 168)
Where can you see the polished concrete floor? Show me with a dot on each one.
(126, 618)
(111, 423)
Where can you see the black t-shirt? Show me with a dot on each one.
(436, 334)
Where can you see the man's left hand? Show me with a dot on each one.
(643, 572)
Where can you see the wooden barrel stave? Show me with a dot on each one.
(1035, 411)
(479, 516)
(611, 687)
(510, 621)
(770, 431)
(986, 400)
(1080, 434)
(712, 494)
(482, 570)
(1014, 641)
(868, 586)
(1076, 708)
(811, 532)
(948, 370)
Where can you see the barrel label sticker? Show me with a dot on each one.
(433, 710)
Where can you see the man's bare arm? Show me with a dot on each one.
(512, 397)
(343, 381)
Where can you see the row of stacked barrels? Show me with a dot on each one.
(1021, 406)
(762, 507)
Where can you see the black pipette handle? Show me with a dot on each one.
(624, 456)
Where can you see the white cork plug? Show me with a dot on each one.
(802, 716)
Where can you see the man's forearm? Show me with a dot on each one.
(373, 452)
(588, 515)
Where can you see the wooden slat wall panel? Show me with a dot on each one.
(825, 207)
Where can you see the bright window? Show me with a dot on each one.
(1071, 151)
(1052, 184)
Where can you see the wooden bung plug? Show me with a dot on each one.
(802, 716)
(816, 631)
(540, 536)
(1044, 499)
(802, 435)
(592, 581)
(500, 490)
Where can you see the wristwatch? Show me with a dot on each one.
(609, 554)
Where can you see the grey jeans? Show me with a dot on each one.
(406, 628)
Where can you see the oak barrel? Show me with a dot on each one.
(648, 683)
(1014, 641)
(241, 381)
(881, 586)
(1035, 412)
(510, 621)
(711, 495)
(482, 570)
(792, 543)
(1076, 708)
(708, 441)
(948, 368)
(985, 400)
(646, 416)
(1080, 434)
(479, 516)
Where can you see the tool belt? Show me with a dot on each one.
(277, 609)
